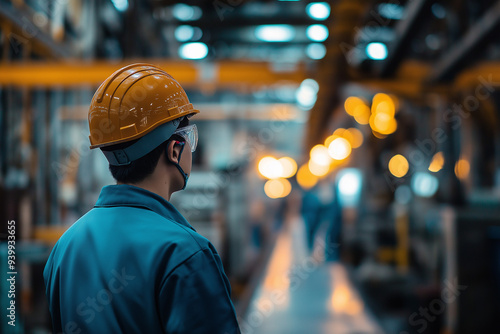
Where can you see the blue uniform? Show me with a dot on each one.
(133, 264)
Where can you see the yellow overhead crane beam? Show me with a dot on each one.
(234, 74)
(230, 74)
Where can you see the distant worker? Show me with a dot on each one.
(133, 264)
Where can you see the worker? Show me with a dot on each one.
(133, 264)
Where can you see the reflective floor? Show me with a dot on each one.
(302, 294)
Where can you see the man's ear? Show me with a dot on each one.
(172, 152)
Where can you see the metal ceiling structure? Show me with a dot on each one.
(417, 60)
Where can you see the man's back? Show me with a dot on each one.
(134, 265)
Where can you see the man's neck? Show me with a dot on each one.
(162, 189)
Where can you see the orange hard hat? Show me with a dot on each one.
(134, 101)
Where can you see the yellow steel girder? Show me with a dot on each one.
(189, 74)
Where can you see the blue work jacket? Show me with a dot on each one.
(133, 264)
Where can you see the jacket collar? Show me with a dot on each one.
(132, 196)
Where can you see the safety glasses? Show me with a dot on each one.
(190, 134)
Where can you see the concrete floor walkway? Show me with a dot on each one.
(301, 294)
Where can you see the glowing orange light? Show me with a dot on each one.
(344, 301)
(362, 114)
(318, 170)
(437, 162)
(384, 102)
(305, 178)
(351, 103)
(398, 165)
(289, 167)
(382, 118)
(270, 167)
(462, 169)
(329, 140)
(385, 107)
(319, 154)
(340, 298)
(277, 188)
(392, 127)
(287, 186)
(339, 149)
(354, 136)
(383, 123)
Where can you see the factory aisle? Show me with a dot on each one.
(302, 294)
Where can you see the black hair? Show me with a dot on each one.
(141, 168)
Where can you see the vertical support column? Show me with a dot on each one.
(452, 190)
(39, 154)
(54, 148)
(402, 233)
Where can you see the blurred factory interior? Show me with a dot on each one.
(348, 167)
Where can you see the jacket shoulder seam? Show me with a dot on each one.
(182, 263)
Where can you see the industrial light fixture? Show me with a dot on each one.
(193, 51)
(316, 51)
(350, 183)
(306, 94)
(120, 5)
(183, 12)
(317, 32)
(318, 10)
(275, 32)
(184, 33)
(424, 184)
(376, 51)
